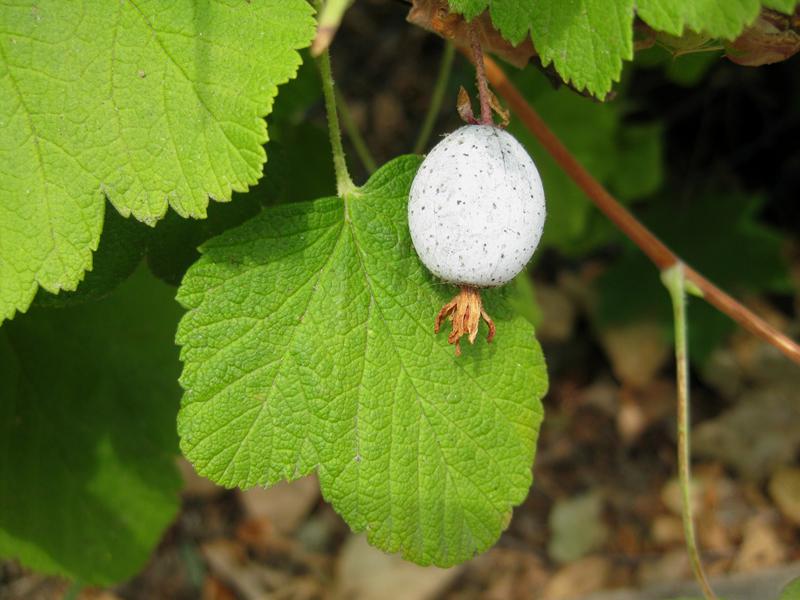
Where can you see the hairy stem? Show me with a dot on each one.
(437, 97)
(480, 75)
(654, 248)
(344, 183)
(359, 144)
(674, 280)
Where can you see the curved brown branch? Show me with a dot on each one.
(654, 248)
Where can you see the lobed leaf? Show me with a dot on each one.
(309, 345)
(587, 40)
(150, 105)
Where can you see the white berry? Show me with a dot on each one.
(476, 209)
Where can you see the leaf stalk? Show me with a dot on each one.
(674, 280)
(344, 183)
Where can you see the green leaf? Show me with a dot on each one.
(122, 246)
(87, 404)
(586, 40)
(309, 344)
(717, 19)
(148, 105)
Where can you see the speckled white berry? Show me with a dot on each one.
(476, 209)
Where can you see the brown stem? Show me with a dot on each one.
(654, 248)
(480, 75)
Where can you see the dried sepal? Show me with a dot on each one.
(464, 107)
(499, 110)
(465, 311)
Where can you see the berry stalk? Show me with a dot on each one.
(480, 76)
(344, 183)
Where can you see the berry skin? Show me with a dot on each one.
(476, 213)
(476, 209)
